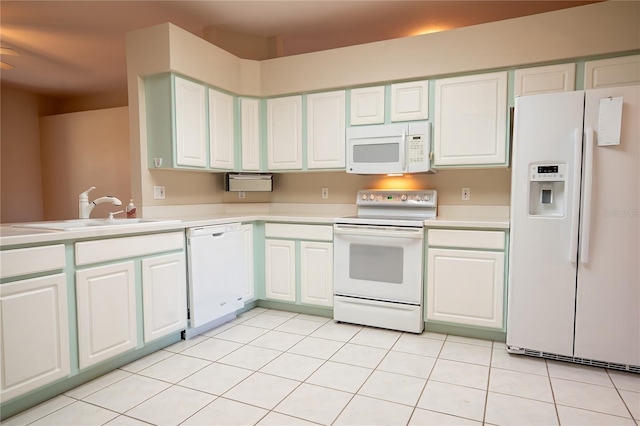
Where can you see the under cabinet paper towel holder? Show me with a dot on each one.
(257, 182)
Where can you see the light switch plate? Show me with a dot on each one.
(466, 194)
(158, 192)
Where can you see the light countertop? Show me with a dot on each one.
(181, 217)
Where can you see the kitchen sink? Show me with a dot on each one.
(79, 224)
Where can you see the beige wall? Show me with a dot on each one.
(550, 37)
(594, 29)
(21, 183)
(80, 150)
(489, 187)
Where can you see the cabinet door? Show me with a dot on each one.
(549, 79)
(249, 289)
(367, 105)
(284, 133)
(410, 101)
(316, 273)
(326, 130)
(221, 140)
(164, 295)
(471, 120)
(35, 334)
(106, 304)
(611, 72)
(280, 268)
(250, 134)
(465, 287)
(191, 125)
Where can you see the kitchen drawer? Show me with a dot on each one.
(299, 232)
(31, 260)
(491, 240)
(123, 248)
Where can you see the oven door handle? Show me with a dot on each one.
(378, 231)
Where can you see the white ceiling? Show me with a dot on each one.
(77, 48)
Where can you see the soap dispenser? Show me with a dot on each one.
(131, 210)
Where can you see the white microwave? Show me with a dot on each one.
(389, 148)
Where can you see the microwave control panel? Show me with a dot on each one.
(415, 146)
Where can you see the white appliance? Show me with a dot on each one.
(378, 259)
(389, 148)
(215, 261)
(574, 275)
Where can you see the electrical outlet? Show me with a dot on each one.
(241, 194)
(325, 193)
(158, 193)
(466, 194)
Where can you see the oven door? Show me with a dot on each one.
(378, 262)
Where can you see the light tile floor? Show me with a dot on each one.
(270, 367)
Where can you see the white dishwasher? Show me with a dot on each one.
(216, 275)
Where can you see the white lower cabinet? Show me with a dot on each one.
(249, 287)
(465, 283)
(316, 266)
(280, 268)
(299, 263)
(106, 305)
(34, 327)
(163, 295)
(107, 295)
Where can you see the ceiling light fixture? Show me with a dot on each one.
(430, 29)
(9, 51)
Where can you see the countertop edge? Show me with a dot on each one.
(24, 236)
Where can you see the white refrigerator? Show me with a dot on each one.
(574, 258)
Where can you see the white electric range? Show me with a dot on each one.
(378, 259)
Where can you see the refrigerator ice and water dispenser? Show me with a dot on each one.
(546, 189)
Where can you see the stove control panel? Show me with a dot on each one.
(391, 198)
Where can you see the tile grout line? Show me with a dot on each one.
(615, 386)
(368, 377)
(428, 378)
(486, 394)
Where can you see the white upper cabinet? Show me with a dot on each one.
(612, 72)
(549, 79)
(221, 137)
(284, 133)
(470, 123)
(250, 133)
(191, 125)
(367, 105)
(326, 130)
(410, 101)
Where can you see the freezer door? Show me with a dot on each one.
(608, 291)
(542, 270)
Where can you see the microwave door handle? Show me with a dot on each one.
(403, 154)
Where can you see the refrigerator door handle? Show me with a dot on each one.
(575, 201)
(586, 200)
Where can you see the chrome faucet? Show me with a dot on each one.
(85, 207)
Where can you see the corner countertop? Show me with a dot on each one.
(177, 218)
